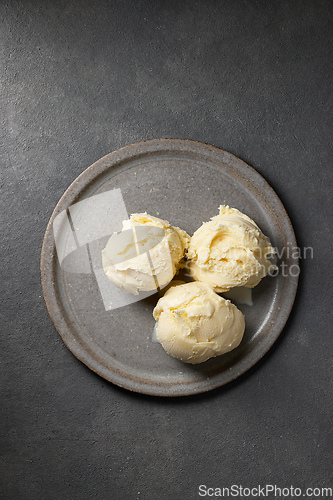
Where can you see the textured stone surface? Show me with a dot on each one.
(80, 80)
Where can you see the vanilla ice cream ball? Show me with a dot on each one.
(229, 251)
(196, 324)
(145, 255)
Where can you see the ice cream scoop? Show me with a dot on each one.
(145, 255)
(229, 251)
(195, 324)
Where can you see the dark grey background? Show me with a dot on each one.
(80, 79)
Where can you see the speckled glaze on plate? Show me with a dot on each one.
(183, 182)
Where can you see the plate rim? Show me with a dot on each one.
(47, 267)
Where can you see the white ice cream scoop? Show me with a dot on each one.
(145, 255)
(229, 251)
(195, 324)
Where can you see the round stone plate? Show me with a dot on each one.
(183, 182)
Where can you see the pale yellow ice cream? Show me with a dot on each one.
(146, 255)
(229, 251)
(195, 324)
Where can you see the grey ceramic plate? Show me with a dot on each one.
(183, 182)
